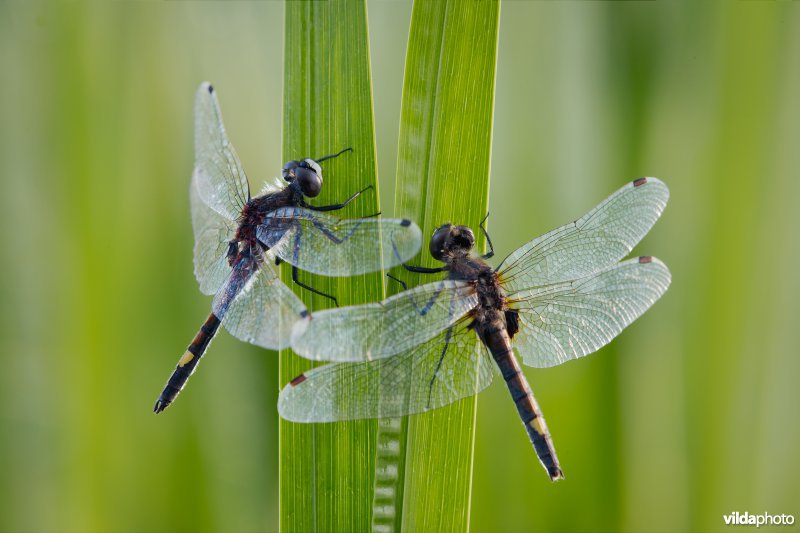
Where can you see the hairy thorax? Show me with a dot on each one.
(245, 244)
(491, 299)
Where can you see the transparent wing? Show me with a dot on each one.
(329, 246)
(597, 240)
(575, 318)
(212, 232)
(256, 307)
(382, 329)
(405, 384)
(220, 178)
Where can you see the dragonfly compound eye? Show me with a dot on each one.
(289, 169)
(309, 181)
(439, 242)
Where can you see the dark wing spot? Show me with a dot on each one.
(298, 380)
(640, 181)
(210, 89)
(405, 223)
(645, 259)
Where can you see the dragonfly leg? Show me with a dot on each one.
(335, 207)
(421, 311)
(439, 364)
(423, 270)
(331, 235)
(310, 288)
(398, 280)
(295, 278)
(490, 253)
(337, 154)
(412, 268)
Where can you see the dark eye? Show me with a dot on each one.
(439, 242)
(288, 171)
(309, 181)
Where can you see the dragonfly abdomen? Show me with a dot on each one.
(188, 362)
(499, 344)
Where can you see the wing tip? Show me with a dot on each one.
(652, 181)
(206, 87)
(300, 326)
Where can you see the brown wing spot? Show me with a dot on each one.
(645, 259)
(640, 181)
(298, 380)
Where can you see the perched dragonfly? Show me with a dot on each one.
(559, 297)
(238, 241)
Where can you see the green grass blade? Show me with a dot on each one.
(326, 469)
(443, 169)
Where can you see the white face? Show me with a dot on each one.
(313, 164)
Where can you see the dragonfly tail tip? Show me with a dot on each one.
(555, 473)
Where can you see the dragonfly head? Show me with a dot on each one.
(449, 239)
(305, 176)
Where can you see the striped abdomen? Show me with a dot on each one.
(497, 340)
(188, 362)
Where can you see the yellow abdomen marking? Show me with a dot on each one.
(537, 426)
(186, 358)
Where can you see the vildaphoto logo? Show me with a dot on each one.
(746, 519)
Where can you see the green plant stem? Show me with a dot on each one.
(443, 176)
(326, 469)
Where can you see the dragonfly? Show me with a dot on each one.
(239, 240)
(557, 298)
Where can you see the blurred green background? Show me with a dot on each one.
(691, 414)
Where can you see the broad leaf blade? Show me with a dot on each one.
(443, 169)
(326, 469)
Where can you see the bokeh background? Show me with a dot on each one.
(692, 413)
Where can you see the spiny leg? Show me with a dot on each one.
(439, 364)
(335, 207)
(296, 257)
(411, 268)
(490, 253)
(424, 310)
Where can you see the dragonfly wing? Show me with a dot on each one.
(330, 246)
(256, 306)
(218, 173)
(382, 329)
(451, 366)
(597, 240)
(572, 319)
(212, 232)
